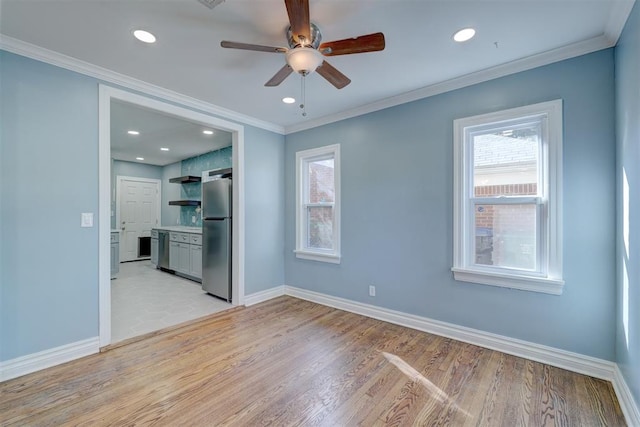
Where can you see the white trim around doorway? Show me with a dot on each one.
(106, 95)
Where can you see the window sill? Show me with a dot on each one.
(524, 283)
(315, 256)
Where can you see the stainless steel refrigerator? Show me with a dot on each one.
(216, 236)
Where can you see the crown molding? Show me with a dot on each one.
(41, 54)
(519, 65)
(620, 11)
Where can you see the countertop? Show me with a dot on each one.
(180, 228)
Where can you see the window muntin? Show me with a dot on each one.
(317, 220)
(506, 213)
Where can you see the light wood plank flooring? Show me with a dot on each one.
(291, 362)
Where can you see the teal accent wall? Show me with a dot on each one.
(170, 215)
(397, 210)
(219, 159)
(627, 64)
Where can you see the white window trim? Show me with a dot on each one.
(551, 281)
(302, 157)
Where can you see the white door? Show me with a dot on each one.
(137, 212)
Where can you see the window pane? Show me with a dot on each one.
(321, 183)
(505, 236)
(320, 227)
(506, 162)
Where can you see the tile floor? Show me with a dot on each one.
(144, 300)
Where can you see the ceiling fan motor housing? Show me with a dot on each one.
(305, 53)
(316, 38)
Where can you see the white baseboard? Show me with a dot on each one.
(575, 362)
(262, 296)
(627, 403)
(45, 359)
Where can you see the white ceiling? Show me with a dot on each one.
(157, 130)
(419, 54)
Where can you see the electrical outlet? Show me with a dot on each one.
(193, 219)
(372, 291)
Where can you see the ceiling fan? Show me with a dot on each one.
(305, 52)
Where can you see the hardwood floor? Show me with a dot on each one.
(292, 362)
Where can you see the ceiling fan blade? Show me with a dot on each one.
(332, 75)
(298, 11)
(369, 43)
(279, 77)
(256, 47)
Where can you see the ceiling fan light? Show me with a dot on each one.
(304, 60)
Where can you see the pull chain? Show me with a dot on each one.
(303, 95)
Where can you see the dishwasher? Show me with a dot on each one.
(163, 249)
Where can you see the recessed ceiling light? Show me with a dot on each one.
(207, 132)
(288, 100)
(133, 132)
(139, 158)
(464, 34)
(164, 149)
(144, 36)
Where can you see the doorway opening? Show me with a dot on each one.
(110, 96)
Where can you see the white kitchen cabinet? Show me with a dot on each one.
(174, 255)
(115, 254)
(154, 247)
(185, 254)
(195, 266)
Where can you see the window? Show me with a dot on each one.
(507, 189)
(318, 204)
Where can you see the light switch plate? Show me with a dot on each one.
(86, 220)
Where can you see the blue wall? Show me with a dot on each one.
(627, 63)
(264, 210)
(397, 210)
(49, 170)
(49, 175)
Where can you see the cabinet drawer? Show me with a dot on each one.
(178, 237)
(196, 239)
(115, 237)
(154, 234)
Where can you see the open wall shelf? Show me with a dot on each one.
(185, 179)
(184, 203)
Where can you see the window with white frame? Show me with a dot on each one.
(318, 204)
(507, 192)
